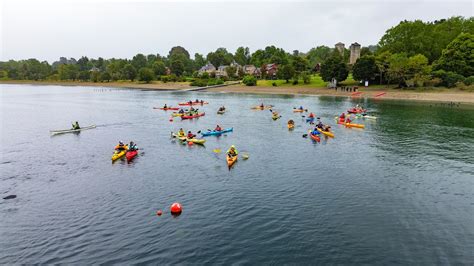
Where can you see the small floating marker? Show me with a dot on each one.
(190, 143)
(176, 208)
(159, 212)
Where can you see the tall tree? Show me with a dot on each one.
(458, 57)
(334, 68)
(365, 68)
(220, 57)
(242, 56)
(139, 61)
(129, 72)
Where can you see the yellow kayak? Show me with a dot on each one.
(355, 125)
(266, 107)
(117, 155)
(299, 111)
(291, 126)
(327, 133)
(177, 114)
(196, 141)
(178, 137)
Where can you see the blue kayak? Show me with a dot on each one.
(217, 133)
(310, 120)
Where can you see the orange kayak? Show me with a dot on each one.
(327, 133)
(231, 160)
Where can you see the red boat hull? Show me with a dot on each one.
(192, 116)
(315, 137)
(130, 155)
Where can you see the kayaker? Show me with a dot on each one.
(311, 115)
(165, 106)
(132, 146)
(275, 113)
(342, 116)
(291, 122)
(190, 103)
(301, 108)
(190, 135)
(75, 125)
(191, 109)
(120, 146)
(232, 151)
(320, 124)
(348, 120)
(197, 101)
(315, 131)
(202, 102)
(181, 111)
(326, 128)
(218, 128)
(262, 106)
(222, 108)
(181, 133)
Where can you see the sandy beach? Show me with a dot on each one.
(436, 95)
(442, 95)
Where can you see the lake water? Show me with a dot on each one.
(401, 191)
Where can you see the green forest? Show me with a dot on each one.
(411, 54)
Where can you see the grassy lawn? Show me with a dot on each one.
(316, 81)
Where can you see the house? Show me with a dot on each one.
(95, 69)
(249, 69)
(271, 70)
(209, 68)
(221, 71)
(167, 71)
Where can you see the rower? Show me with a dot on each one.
(76, 126)
(190, 135)
(132, 146)
(165, 106)
(232, 151)
(181, 133)
(218, 128)
(121, 146)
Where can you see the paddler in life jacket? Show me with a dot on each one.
(301, 108)
(190, 135)
(232, 151)
(348, 120)
(132, 146)
(75, 125)
(315, 131)
(320, 124)
(121, 147)
(218, 128)
(311, 115)
(181, 133)
(165, 106)
(181, 111)
(262, 106)
(222, 108)
(291, 122)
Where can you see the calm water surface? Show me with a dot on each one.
(401, 191)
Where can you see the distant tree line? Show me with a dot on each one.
(413, 53)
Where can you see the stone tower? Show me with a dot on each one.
(340, 47)
(355, 53)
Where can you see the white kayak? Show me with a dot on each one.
(54, 132)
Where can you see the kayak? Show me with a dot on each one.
(117, 155)
(166, 109)
(177, 114)
(310, 119)
(315, 137)
(220, 112)
(369, 117)
(178, 137)
(231, 160)
(196, 141)
(354, 111)
(217, 133)
(53, 132)
(260, 108)
(354, 125)
(299, 111)
(131, 154)
(291, 126)
(193, 103)
(327, 133)
(192, 116)
(275, 117)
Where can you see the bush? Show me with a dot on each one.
(274, 84)
(449, 79)
(199, 83)
(249, 80)
(295, 82)
(469, 80)
(145, 74)
(306, 77)
(205, 75)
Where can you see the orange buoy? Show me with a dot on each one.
(176, 208)
(190, 143)
(159, 212)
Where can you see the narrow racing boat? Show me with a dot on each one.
(55, 132)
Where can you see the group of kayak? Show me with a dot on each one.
(121, 150)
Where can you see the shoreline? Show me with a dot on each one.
(435, 95)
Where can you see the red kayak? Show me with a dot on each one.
(130, 155)
(192, 116)
(193, 103)
(166, 109)
(354, 111)
(315, 137)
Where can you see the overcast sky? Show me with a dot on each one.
(49, 29)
